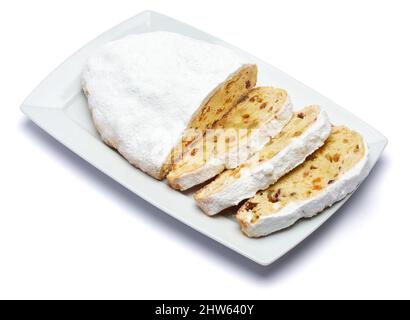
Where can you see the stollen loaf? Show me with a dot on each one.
(145, 89)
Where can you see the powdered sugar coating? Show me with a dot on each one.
(143, 90)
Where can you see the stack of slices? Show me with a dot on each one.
(304, 133)
(241, 132)
(194, 115)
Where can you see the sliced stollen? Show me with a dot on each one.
(327, 176)
(243, 131)
(144, 89)
(306, 131)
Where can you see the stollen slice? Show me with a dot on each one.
(327, 176)
(306, 132)
(218, 103)
(243, 131)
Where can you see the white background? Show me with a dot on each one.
(68, 231)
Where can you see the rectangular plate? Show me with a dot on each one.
(58, 106)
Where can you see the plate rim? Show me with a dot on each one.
(30, 111)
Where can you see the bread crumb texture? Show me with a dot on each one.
(218, 103)
(296, 127)
(342, 150)
(257, 108)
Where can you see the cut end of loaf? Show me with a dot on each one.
(218, 103)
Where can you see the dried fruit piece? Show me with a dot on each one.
(274, 197)
(242, 98)
(336, 157)
(251, 205)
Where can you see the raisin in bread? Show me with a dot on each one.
(216, 105)
(143, 89)
(244, 130)
(327, 176)
(306, 131)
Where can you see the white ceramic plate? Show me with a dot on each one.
(58, 106)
